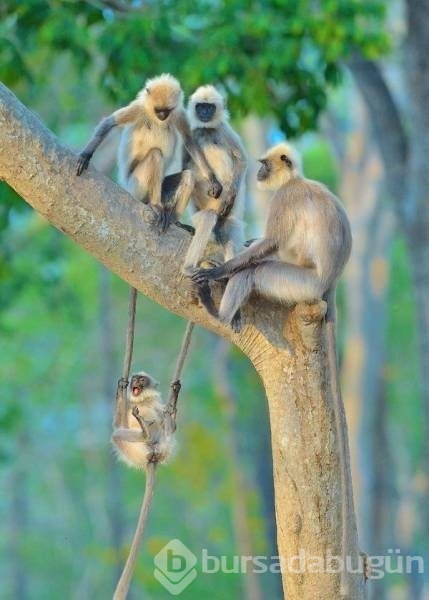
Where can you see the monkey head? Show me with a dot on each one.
(162, 96)
(206, 107)
(279, 164)
(141, 382)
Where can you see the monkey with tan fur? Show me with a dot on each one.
(152, 125)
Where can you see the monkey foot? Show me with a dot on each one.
(236, 323)
(164, 217)
(311, 313)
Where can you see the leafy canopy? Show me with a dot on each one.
(273, 57)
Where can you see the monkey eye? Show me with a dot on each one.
(144, 381)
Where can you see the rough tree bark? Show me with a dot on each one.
(289, 355)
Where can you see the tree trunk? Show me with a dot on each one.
(118, 231)
(305, 456)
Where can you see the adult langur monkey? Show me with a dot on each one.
(151, 124)
(225, 155)
(306, 245)
(143, 437)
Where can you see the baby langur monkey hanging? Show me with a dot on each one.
(152, 125)
(143, 436)
(143, 429)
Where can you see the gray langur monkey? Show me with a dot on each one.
(225, 155)
(306, 245)
(152, 123)
(143, 437)
(307, 242)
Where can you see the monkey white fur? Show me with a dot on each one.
(224, 153)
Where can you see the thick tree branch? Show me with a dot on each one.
(113, 227)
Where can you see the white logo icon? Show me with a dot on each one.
(175, 567)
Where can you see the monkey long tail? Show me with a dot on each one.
(123, 585)
(341, 427)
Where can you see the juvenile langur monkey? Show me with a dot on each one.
(224, 153)
(151, 124)
(143, 437)
(306, 245)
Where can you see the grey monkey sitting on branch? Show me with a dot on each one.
(306, 245)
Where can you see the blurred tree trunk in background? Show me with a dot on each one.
(254, 131)
(240, 491)
(18, 519)
(402, 135)
(416, 218)
(366, 286)
(107, 354)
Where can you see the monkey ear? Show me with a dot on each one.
(148, 91)
(286, 159)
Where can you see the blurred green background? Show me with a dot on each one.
(288, 68)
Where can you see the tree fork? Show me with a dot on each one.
(118, 231)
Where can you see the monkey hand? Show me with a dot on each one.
(176, 387)
(201, 276)
(214, 187)
(164, 218)
(228, 204)
(248, 243)
(83, 162)
(135, 412)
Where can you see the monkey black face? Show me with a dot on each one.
(205, 111)
(264, 170)
(163, 113)
(139, 383)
